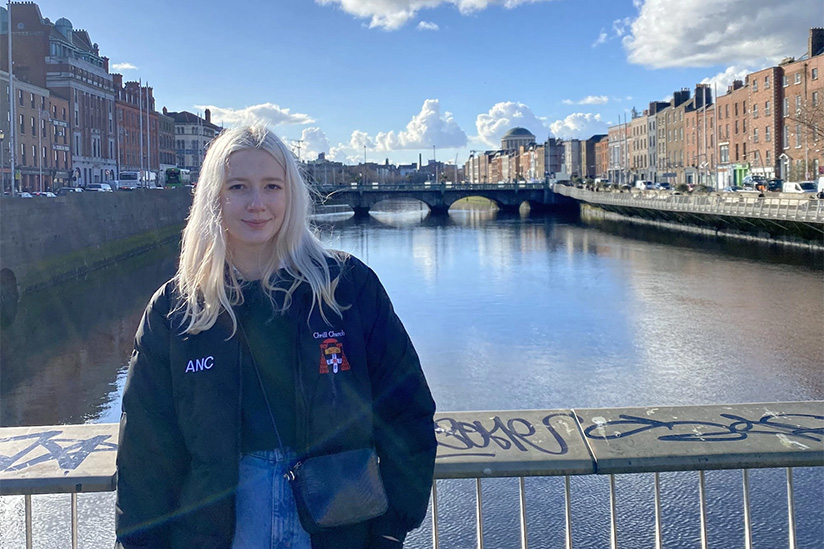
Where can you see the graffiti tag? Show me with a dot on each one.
(48, 446)
(517, 433)
(736, 428)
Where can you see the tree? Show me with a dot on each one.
(811, 118)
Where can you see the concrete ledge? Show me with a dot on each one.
(739, 436)
(81, 458)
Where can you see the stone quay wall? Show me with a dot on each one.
(45, 240)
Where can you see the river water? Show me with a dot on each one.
(507, 312)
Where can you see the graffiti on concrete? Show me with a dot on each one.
(513, 433)
(732, 428)
(48, 446)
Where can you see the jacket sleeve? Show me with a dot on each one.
(151, 456)
(403, 412)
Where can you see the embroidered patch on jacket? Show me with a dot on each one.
(331, 356)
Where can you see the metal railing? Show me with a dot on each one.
(520, 444)
(803, 209)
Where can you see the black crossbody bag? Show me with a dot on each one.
(332, 490)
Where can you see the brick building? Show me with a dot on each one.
(65, 61)
(192, 135)
(763, 98)
(137, 128)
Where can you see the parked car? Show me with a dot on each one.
(63, 191)
(99, 187)
(663, 186)
(775, 185)
(25, 195)
(46, 194)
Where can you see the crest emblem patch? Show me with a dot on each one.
(332, 357)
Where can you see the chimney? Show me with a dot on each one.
(165, 112)
(117, 80)
(208, 116)
(815, 44)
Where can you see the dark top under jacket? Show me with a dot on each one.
(357, 383)
(271, 343)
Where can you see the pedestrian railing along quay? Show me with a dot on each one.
(740, 204)
(493, 444)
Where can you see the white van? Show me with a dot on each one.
(100, 187)
(802, 187)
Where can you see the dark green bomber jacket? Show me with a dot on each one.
(179, 446)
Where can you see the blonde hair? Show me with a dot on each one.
(205, 278)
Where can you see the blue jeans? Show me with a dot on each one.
(265, 512)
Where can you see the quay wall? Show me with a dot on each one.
(45, 240)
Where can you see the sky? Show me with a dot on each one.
(391, 79)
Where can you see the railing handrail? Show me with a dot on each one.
(81, 458)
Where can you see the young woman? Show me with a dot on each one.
(265, 348)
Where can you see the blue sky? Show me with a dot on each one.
(400, 76)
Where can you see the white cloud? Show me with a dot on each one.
(394, 14)
(712, 32)
(722, 80)
(314, 142)
(588, 100)
(427, 128)
(602, 37)
(265, 112)
(579, 126)
(123, 67)
(502, 117)
(426, 25)
(359, 140)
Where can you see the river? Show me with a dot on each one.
(506, 312)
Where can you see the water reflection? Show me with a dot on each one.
(512, 312)
(62, 355)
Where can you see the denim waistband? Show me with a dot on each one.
(276, 455)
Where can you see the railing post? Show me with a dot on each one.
(27, 499)
(747, 514)
(435, 541)
(522, 490)
(702, 507)
(74, 520)
(568, 513)
(479, 514)
(791, 508)
(658, 515)
(613, 519)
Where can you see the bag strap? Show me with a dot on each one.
(262, 389)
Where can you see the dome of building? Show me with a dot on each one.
(64, 27)
(515, 138)
(519, 132)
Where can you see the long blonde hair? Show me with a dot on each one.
(205, 278)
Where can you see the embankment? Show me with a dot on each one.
(46, 240)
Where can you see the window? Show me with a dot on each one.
(798, 78)
(786, 106)
(20, 97)
(797, 104)
(766, 108)
(815, 74)
(745, 151)
(767, 157)
(22, 154)
(798, 136)
(727, 110)
(755, 111)
(755, 135)
(767, 134)
(736, 127)
(736, 109)
(785, 81)
(815, 99)
(736, 152)
(744, 126)
(755, 85)
(766, 82)
(725, 154)
(22, 125)
(786, 137)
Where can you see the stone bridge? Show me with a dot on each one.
(508, 197)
